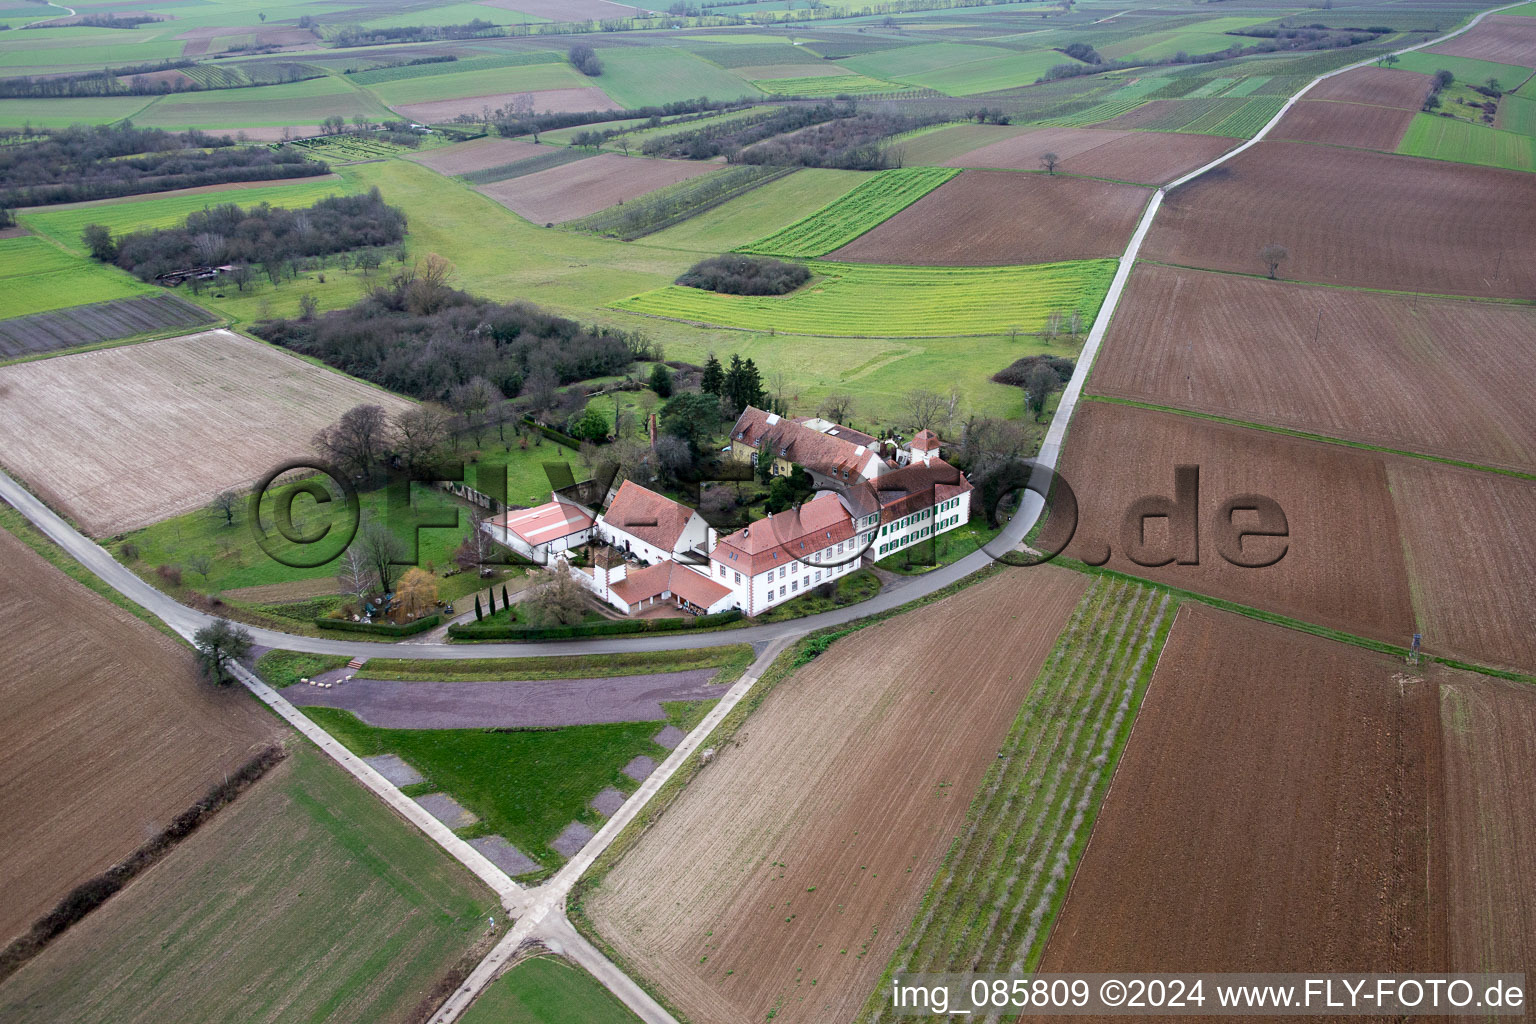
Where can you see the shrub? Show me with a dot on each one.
(584, 59)
(471, 631)
(170, 574)
(745, 275)
(1017, 372)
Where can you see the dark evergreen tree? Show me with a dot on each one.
(714, 377)
(479, 614)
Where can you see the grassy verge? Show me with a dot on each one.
(284, 668)
(941, 550)
(851, 589)
(524, 784)
(544, 990)
(732, 661)
(992, 902)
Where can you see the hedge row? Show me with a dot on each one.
(89, 895)
(382, 628)
(480, 631)
(554, 435)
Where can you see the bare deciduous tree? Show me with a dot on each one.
(355, 577)
(837, 407)
(382, 551)
(1049, 162)
(224, 505)
(929, 410)
(559, 602)
(356, 442)
(1273, 255)
(418, 433)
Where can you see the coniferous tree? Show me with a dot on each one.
(714, 377)
(479, 614)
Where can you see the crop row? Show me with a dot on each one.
(846, 218)
(871, 300)
(1245, 122)
(826, 85)
(992, 902)
(99, 321)
(556, 156)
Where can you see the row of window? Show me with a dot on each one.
(904, 541)
(794, 585)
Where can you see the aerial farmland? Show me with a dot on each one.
(561, 510)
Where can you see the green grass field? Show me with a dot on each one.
(1466, 69)
(486, 82)
(991, 74)
(62, 113)
(36, 277)
(305, 900)
(547, 991)
(993, 900)
(64, 223)
(825, 85)
(1517, 114)
(525, 784)
(897, 302)
(297, 103)
(763, 211)
(841, 221)
(642, 76)
(907, 62)
(1444, 138)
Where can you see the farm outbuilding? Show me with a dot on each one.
(542, 532)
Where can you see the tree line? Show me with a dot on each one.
(229, 235)
(106, 161)
(745, 275)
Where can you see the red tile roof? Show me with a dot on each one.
(655, 580)
(797, 533)
(828, 455)
(544, 523)
(925, 441)
(653, 518)
(918, 486)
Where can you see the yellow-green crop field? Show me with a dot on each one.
(840, 222)
(862, 300)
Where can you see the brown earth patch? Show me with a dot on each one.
(1382, 87)
(998, 218)
(1488, 727)
(1277, 809)
(1343, 563)
(477, 155)
(1502, 38)
(586, 186)
(804, 850)
(1150, 158)
(1471, 557)
(1354, 217)
(168, 424)
(545, 101)
(292, 590)
(1345, 124)
(1438, 376)
(108, 734)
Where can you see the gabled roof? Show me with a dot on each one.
(837, 430)
(918, 486)
(782, 538)
(655, 580)
(827, 454)
(653, 518)
(925, 441)
(544, 523)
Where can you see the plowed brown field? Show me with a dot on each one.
(1438, 376)
(1354, 217)
(123, 437)
(586, 186)
(1489, 731)
(1471, 554)
(1277, 809)
(477, 155)
(1001, 218)
(1345, 124)
(1383, 87)
(1343, 566)
(107, 734)
(1502, 38)
(784, 876)
(1151, 158)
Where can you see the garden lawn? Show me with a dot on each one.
(643, 76)
(865, 300)
(545, 990)
(945, 548)
(525, 784)
(761, 212)
(1444, 138)
(36, 276)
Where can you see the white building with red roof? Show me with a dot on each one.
(540, 533)
(920, 500)
(633, 590)
(785, 555)
(835, 455)
(651, 526)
